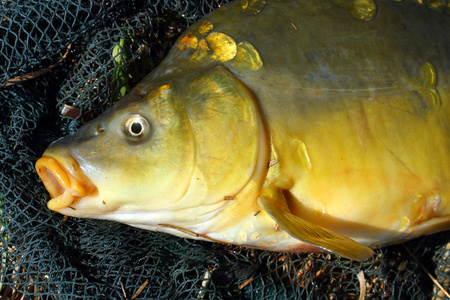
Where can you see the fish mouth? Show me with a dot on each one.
(63, 186)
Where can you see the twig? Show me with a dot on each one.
(123, 291)
(140, 289)
(245, 283)
(362, 285)
(436, 282)
(32, 75)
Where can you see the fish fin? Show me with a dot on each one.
(230, 141)
(274, 203)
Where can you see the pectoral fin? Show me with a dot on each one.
(274, 203)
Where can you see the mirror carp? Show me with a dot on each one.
(278, 125)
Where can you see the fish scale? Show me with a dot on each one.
(309, 126)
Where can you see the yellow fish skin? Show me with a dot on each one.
(310, 126)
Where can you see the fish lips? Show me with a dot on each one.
(65, 181)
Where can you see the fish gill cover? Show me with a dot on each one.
(80, 57)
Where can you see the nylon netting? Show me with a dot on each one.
(113, 44)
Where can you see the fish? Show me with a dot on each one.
(289, 126)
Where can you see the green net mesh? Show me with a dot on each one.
(113, 44)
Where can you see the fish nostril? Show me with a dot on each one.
(99, 129)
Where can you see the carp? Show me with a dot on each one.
(279, 125)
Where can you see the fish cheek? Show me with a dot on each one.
(141, 174)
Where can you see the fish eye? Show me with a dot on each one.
(136, 127)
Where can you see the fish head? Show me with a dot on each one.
(138, 153)
(171, 153)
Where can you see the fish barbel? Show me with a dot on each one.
(279, 125)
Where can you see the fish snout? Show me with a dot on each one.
(64, 184)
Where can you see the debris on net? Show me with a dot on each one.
(113, 45)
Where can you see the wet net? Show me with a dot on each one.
(79, 57)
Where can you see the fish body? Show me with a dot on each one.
(286, 126)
